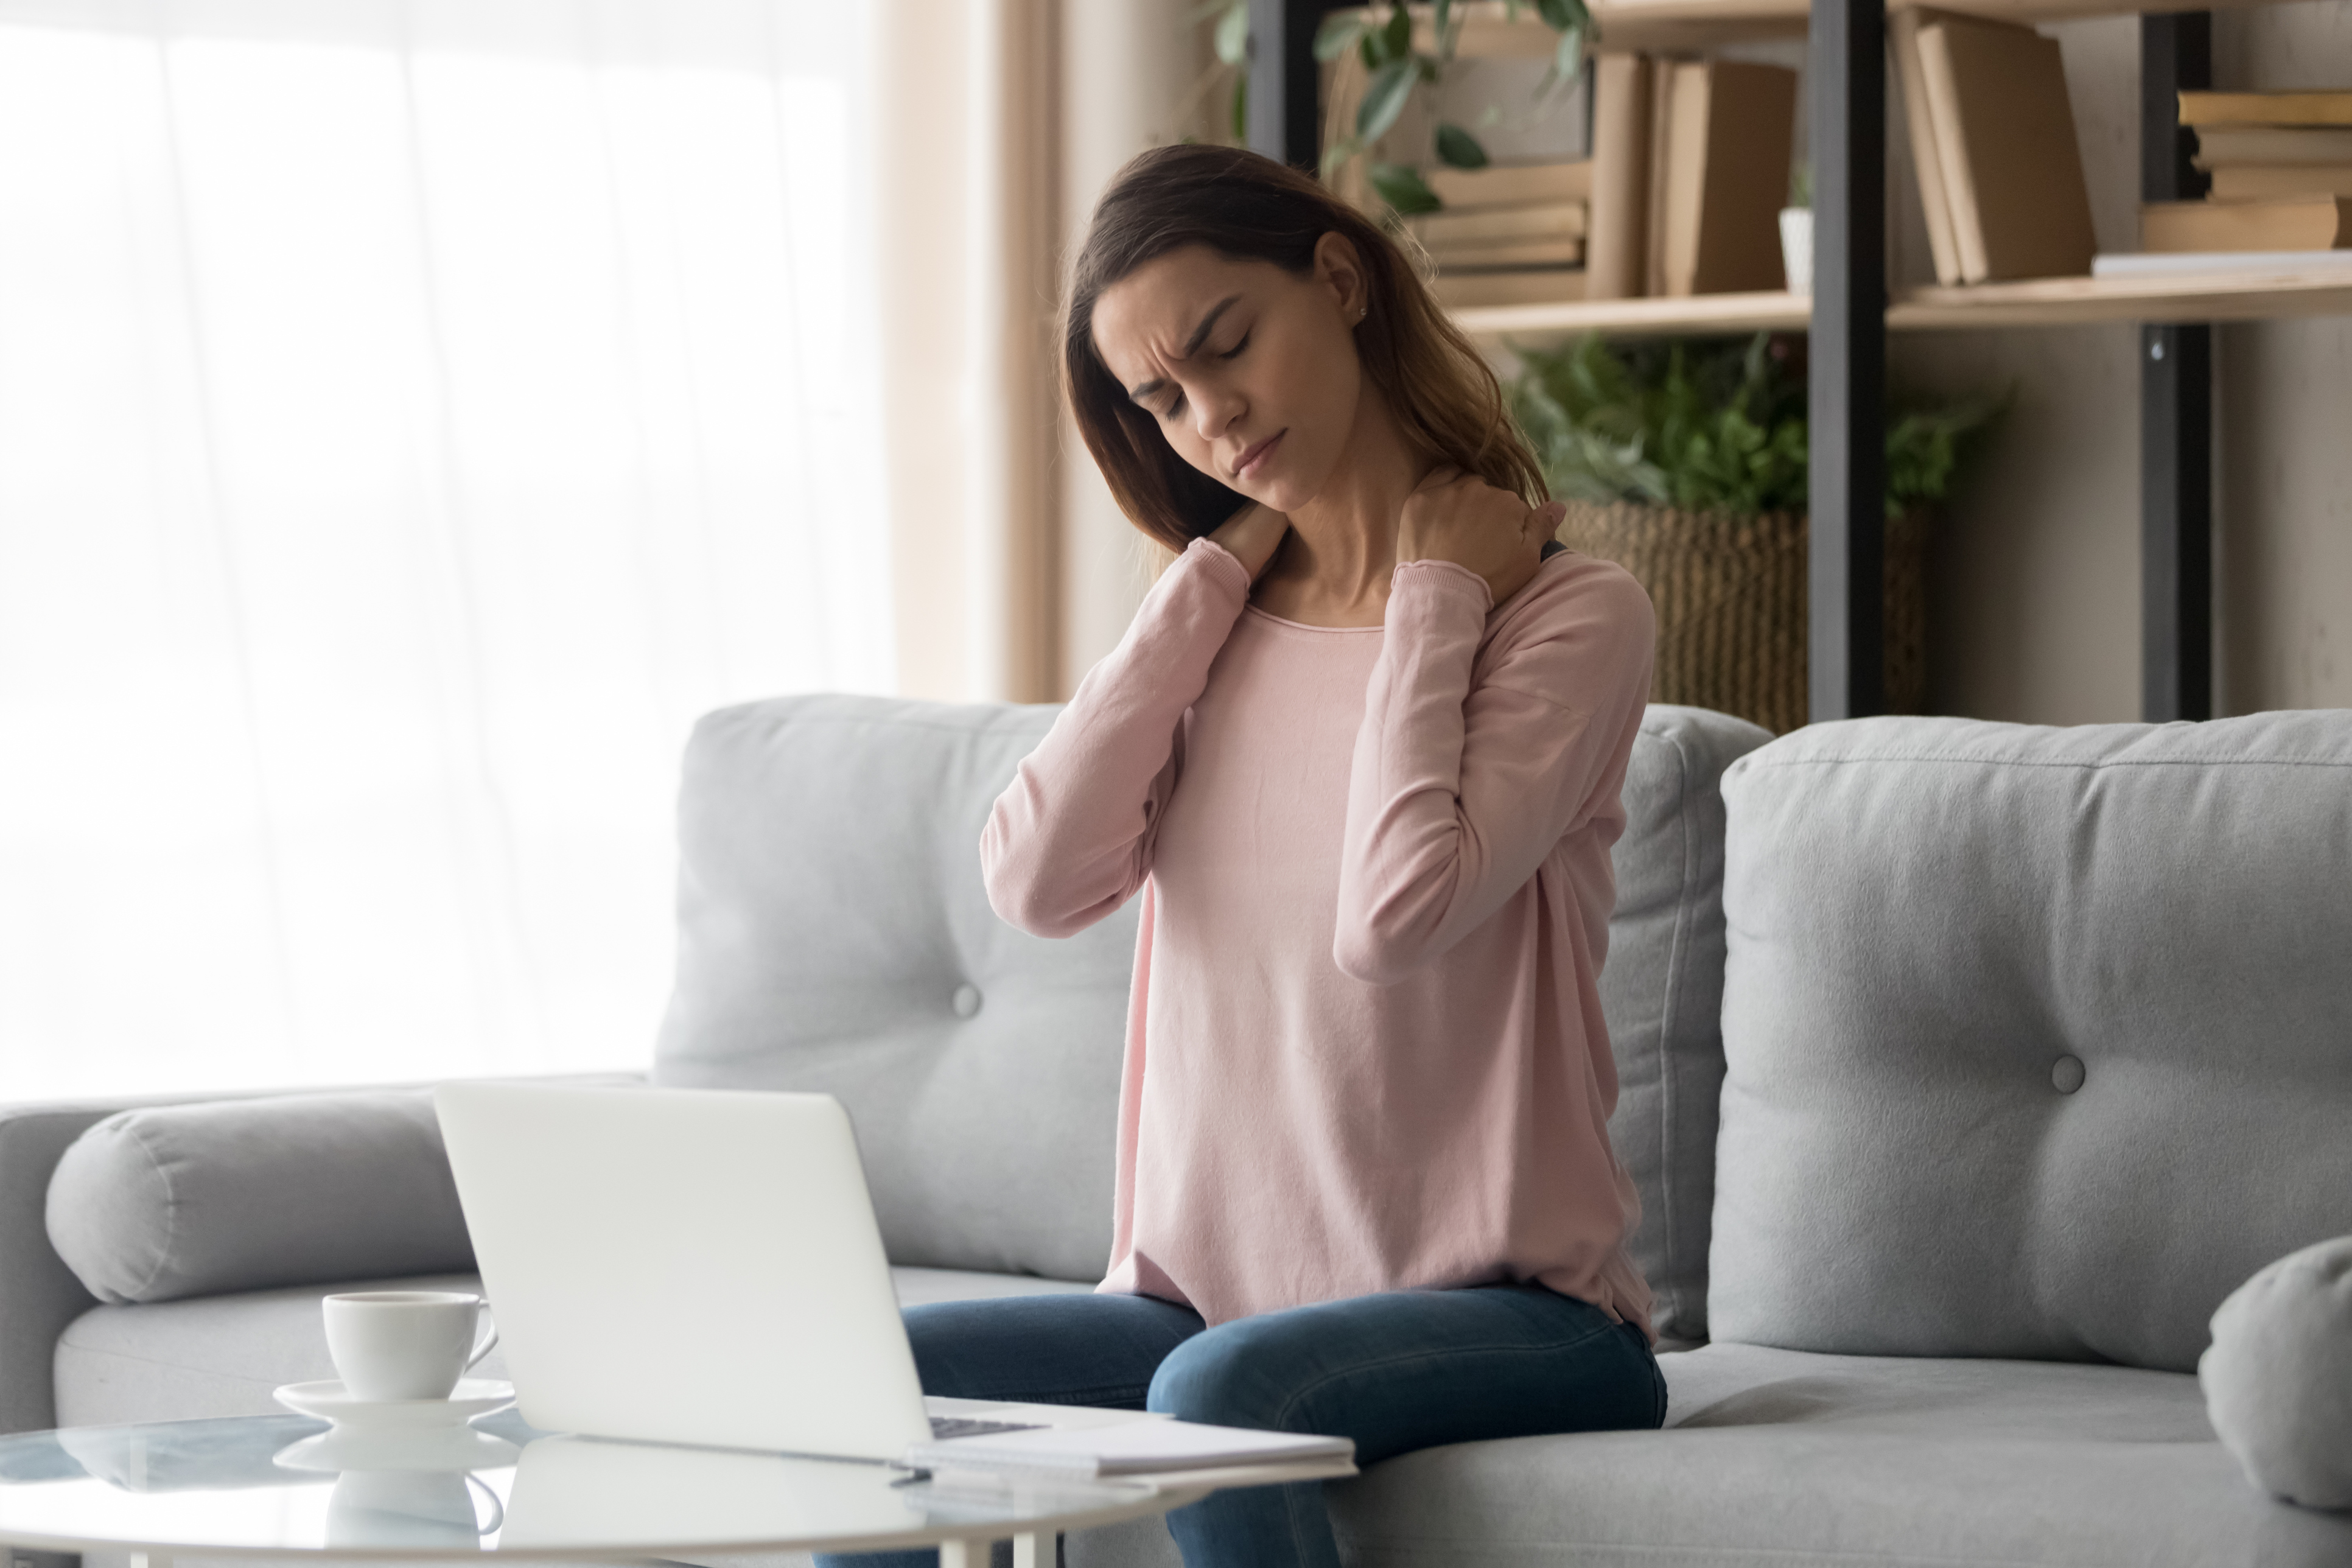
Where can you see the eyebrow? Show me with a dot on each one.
(1191, 346)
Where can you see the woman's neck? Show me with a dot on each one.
(1334, 567)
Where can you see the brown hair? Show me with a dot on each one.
(1248, 207)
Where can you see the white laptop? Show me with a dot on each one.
(703, 1267)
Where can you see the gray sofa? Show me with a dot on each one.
(2027, 1046)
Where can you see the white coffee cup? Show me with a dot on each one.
(405, 1344)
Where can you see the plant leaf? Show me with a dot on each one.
(1458, 149)
(1567, 61)
(1396, 38)
(1241, 108)
(1337, 34)
(1384, 100)
(1336, 156)
(1234, 33)
(1559, 15)
(1402, 188)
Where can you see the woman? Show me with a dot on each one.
(1360, 754)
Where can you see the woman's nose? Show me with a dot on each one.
(1215, 412)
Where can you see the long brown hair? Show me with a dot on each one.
(1248, 207)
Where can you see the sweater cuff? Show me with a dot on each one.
(1443, 578)
(1216, 558)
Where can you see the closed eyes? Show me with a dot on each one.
(1176, 404)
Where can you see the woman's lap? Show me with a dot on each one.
(1414, 1369)
(1395, 1372)
(1398, 1371)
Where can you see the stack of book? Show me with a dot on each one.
(1690, 170)
(2282, 169)
(1992, 142)
(1511, 234)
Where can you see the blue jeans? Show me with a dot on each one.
(1406, 1370)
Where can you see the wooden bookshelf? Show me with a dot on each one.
(1630, 23)
(1846, 89)
(1666, 25)
(2044, 302)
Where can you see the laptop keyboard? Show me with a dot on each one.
(945, 1427)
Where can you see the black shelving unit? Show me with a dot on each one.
(1846, 78)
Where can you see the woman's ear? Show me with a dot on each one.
(1339, 269)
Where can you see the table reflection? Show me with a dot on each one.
(293, 1482)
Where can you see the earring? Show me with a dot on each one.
(1362, 311)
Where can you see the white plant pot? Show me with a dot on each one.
(1797, 247)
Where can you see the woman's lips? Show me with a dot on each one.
(1258, 454)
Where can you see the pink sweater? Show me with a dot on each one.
(1364, 1048)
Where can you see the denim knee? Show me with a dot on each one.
(1219, 1379)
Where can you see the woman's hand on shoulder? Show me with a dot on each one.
(1458, 517)
(1251, 536)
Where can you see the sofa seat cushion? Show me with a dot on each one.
(1788, 1457)
(221, 1355)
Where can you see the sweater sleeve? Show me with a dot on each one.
(1070, 838)
(1459, 789)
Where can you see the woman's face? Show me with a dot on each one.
(1249, 370)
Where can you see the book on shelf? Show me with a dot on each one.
(2310, 223)
(2220, 147)
(2274, 109)
(2182, 264)
(1546, 220)
(1727, 131)
(1493, 254)
(1545, 286)
(2265, 182)
(2004, 134)
(1662, 110)
(1511, 184)
(1617, 248)
(1903, 43)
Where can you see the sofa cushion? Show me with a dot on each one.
(834, 935)
(1662, 991)
(221, 1355)
(2039, 1041)
(1790, 1458)
(241, 1194)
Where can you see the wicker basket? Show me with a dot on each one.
(1730, 594)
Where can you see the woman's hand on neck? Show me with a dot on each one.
(1333, 566)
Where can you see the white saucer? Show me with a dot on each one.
(342, 1448)
(473, 1397)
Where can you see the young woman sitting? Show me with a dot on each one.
(1360, 755)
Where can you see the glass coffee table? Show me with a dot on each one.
(290, 1486)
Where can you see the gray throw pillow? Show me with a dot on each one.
(2278, 1375)
(246, 1194)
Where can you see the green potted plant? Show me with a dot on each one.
(1686, 462)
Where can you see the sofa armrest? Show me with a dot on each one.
(40, 1296)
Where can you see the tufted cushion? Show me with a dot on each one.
(2278, 1377)
(243, 1194)
(2039, 1041)
(834, 935)
(1662, 989)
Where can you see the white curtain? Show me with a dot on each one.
(412, 415)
